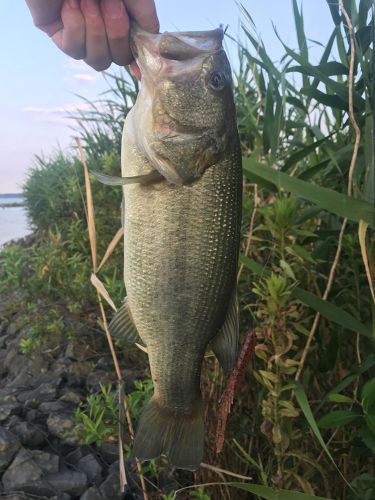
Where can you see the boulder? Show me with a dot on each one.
(72, 482)
(110, 488)
(8, 409)
(30, 435)
(9, 445)
(62, 425)
(29, 472)
(91, 494)
(45, 392)
(91, 467)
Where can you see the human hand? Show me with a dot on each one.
(96, 31)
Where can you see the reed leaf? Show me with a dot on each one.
(337, 203)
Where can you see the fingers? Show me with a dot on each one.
(46, 14)
(97, 50)
(116, 23)
(144, 12)
(94, 30)
(72, 38)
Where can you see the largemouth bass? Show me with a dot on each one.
(182, 176)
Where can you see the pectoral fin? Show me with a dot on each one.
(111, 180)
(122, 326)
(225, 343)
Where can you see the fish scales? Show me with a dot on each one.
(180, 261)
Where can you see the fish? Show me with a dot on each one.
(182, 185)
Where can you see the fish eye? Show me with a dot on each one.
(217, 80)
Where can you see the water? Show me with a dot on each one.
(13, 222)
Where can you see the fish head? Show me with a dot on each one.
(186, 101)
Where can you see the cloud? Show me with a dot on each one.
(77, 65)
(84, 77)
(57, 115)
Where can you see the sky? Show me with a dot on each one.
(38, 83)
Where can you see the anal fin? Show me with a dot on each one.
(122, 326)
(225, 343)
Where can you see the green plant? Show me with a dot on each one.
(140, 396)
(14, 260)
(98, 417)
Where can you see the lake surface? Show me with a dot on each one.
(13, 221)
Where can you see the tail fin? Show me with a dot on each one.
(180, 437)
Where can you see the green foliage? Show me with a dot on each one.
(140, 396)
(51, 191)
(14, 261)
(97, 419)
(51, 328)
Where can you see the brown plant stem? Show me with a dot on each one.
(90, 214)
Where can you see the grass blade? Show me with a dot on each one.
(117, 237)
(271, 494)
(305, 407)
(328, 199)
(90, 208)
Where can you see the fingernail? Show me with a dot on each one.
(74, 4)
(113, 8)
(91, 7)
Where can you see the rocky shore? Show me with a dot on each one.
(41, 455)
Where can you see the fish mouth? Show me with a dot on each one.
(148, 48)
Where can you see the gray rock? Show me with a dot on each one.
(8, 395)
(109, 452)
(30, 435)
(105, 362)
(72, 482)
(74, 456)
(63, 426)
(77, 351)
(45, 392)
(18, 496)
(34, 416)
(13, 360)
(13, 328)
(3, 327)
(9, 445)
(110, 488)
(24, 378)
(91, 467)
(71, 397)
(60, 496)
(99, 377)
(3, 370)
(8, 409)
(78, 372)
(91, 494)
(29, 472)
(53, 406)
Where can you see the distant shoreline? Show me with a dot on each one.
(12, 205)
